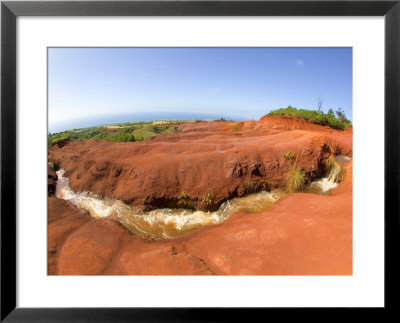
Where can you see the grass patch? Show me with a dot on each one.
(295, 179)
(115, 127)
(208, 199)
(58, 139)
(235, 127)
(330, 163)
(54, 166)
(185, 201)
(289, 155)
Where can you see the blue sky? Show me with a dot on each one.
(236, 83)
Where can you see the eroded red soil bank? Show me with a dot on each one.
(218, 159)
(302, 234)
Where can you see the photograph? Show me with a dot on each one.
(200, 161)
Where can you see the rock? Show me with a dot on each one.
(63, 219)
(205, 158)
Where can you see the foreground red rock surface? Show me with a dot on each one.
(302, 234)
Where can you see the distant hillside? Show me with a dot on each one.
(122, 132)
(318, 117)
(104, 120)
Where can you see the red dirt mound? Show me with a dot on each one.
(221, 159)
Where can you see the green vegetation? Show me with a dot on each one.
(183, 196)
(318, 117)
(223, 120)
(330, 163)
(235, 127)
(59, 139)
(123, 132)
(288, 155)
(208, 199)
(54, 166)
(114, 127)
(295, 179)
(185, 201)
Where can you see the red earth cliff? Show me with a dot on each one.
(224, 159)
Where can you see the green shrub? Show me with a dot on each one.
(289, 154)
(208, 199)
(182, 196)
(235, 127)
(120, 136)
(330, 163)
(185, 201)
(60, 139)
(54, 166)
(295, 179)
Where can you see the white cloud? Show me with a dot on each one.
(214, 89)
(299, 62)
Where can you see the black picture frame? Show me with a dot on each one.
(10, 10)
